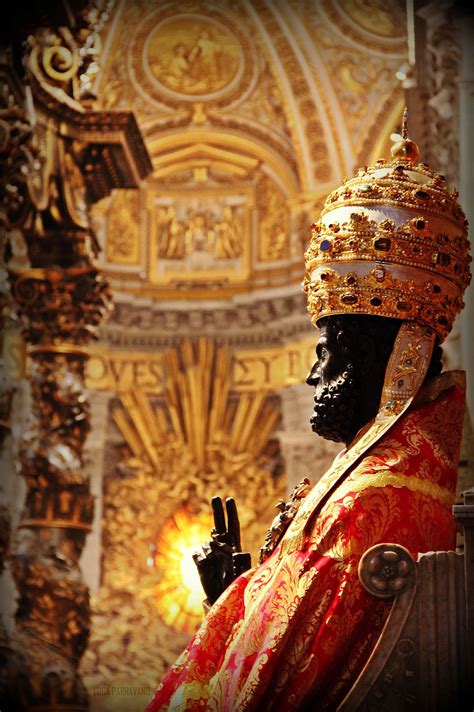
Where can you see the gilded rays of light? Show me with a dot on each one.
(179, 594)
(224, 439)
(199, 414)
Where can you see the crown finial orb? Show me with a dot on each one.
(405, 149)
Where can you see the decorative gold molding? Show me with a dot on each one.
(363, 24)
(274, 232)
(308, 112)
(251, 370)
(200, 153)
(122, 223)
(68, 349)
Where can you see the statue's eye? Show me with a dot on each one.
(321, 353)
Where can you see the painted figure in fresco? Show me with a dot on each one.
(204, 57)
(178, 67)
(191, 55)
(386, 270)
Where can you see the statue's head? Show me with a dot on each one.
(386, 270)
(352, 354)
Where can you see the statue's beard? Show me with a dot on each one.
(336, 408)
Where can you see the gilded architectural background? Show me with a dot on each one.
(251, 113)
(184, 148)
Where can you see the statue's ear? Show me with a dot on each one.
(359, 350)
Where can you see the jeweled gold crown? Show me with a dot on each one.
(392, 242)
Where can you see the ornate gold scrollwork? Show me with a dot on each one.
(59, 302)
(59, 311)
(61, 60)
(60, 305)
(54, 61)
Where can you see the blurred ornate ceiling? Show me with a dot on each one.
(251, 112)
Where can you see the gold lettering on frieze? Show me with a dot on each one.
(262, 371)
(272, 368)
(252, 369)
(120, 371)
(242, 373)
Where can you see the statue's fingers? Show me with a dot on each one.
(241, 561)
(218, 513)
(233, 524)
(198, 556)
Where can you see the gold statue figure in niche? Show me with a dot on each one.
(274, 221)
(123, 228)
(170, 234)
(193, 55)
(229, 233)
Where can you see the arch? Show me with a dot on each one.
(235, 146)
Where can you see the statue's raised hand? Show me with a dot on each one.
(221, 559)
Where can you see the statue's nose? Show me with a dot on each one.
(313, 378)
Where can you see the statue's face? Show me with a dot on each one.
(336, 387)
(352, 355)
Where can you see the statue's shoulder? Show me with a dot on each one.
(435, 387)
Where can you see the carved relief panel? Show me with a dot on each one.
(197, 237)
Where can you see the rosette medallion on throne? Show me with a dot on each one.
(349, 608)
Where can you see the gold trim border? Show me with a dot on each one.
(390, 479)
(54, 524)
(65, 349)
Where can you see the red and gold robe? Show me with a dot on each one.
(294, 632)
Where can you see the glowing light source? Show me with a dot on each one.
(179, 593)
